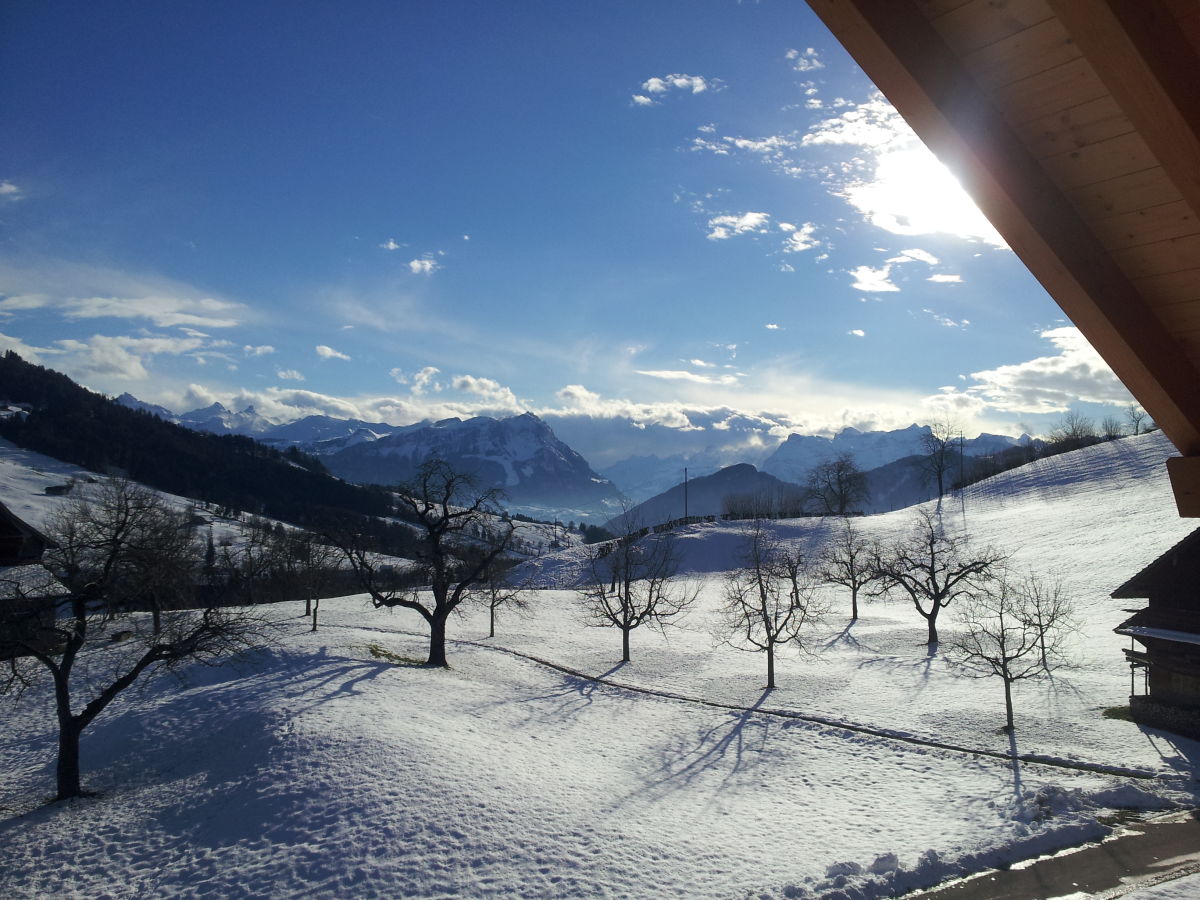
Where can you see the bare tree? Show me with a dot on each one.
(1112, 428)
(769, 598)
(311, 569)
(1051, 612)
(463, 532)
(123, 618)
(1073, 430)
(632, 582)
(933, 568)
(1012, 629)
(499, 592)
(838, 485)
(941, 452)
(849, 559)
(1136, 417)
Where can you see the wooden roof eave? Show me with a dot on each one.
(910, 63)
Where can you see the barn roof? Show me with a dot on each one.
(1179, 566)
(1075, 125)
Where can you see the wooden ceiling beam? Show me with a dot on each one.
(905, 57)
(1152, 70)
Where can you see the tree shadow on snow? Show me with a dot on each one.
(845, 637)
(921, 666)
(573, 695)
(1015, 756)
(1179, 753)
(724, 747)
(154, 734)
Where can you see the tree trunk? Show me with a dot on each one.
(624, 645)
(853, 604)
(437, 642)
(491, 621)
(770, 667)
(1008, 709)
(931, 621)
(68, 758)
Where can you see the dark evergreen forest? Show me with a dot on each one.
(71, 423)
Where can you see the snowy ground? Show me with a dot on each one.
(318, 769)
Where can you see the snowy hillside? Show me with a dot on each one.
(327, 766)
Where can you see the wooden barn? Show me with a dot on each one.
(29, 594)
(1168, 630)
(1075, 126)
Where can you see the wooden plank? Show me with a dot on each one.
(1178, 254)
(1128, 193)
(1102, 161)
(1166, 291)
(1153, 72)
(1049, 92)
(909, 62)
(1184, 473)
(970, 26)
(1021, 55)
(1145, 226)
(1087, 123)
(1189, 27)
(932, 8)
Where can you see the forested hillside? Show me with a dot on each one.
(76, 425)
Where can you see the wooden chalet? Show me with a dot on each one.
(29, 594)
(1169, 631)
(1075, 126)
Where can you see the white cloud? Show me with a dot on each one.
(426, 265)
(946, 321)
(390, 244)
(694, 84)
(329, 353)
(701, 364)
(945, 279)
(425, 380)
(771, 326)
(681, 375)
(26, 351)
(804, 61)
(915, 254)
(874, 281)
(493, 392)
(800, 239)
(723, 227)
(289, 375)
(642, 100)
(1047, 384)
(857, 332)
(260, 350)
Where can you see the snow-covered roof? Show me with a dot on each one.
(1177, 565)
(1161, 634)
(32, 580)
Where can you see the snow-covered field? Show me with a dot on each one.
(319, 769)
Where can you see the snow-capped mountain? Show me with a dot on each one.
(131, 402)
(216, 419)
(323, 435)
(796, 456)
(519, 455)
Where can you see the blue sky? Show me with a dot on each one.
(664, 226)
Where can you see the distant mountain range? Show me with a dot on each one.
(545, 478)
